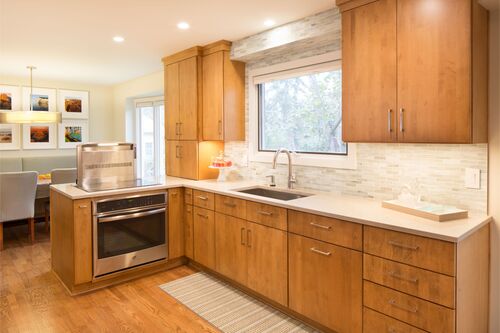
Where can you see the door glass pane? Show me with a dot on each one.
(147, 142)
(161, 140)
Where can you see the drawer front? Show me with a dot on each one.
(230, 206)
(376, 322)
(412, 310)
(434, 287)
(434, 255)
(326, 229)
(271, 216)
(188, 196)
(203, 199)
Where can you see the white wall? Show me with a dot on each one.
(100, 112)
(494, 167)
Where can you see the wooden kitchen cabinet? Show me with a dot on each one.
(223, 94)
(175, 223)
(188, 231)
(190, 159)
(430, 58)
(325, 283)
(204, 237)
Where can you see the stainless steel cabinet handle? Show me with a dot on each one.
(403, 246)
(400, 277)
(402, 307)
(82, 206)
(201, 197)
(389, 120)
(177, 152)
(180, 151)
(220, 127)
(176, 128)
(401, 120)
(180, 127)
(261, 212)
(201, 215)
(249, 242)
(326, 227)
(315, 250)
(242, 236)
(230, 204)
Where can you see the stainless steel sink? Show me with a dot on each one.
(272, 193)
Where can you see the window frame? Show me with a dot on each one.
(281, 71)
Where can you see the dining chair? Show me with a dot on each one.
(59, 176)
(17, 199)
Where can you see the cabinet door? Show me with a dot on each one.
(83, 240)
(213, 96)
(434, 70)
(369, 81)
(172, 159)
(326, 283)
(171, 101)
(230, 247)
(175, 223)
(188, 99)
(188, 231)
(204, 237)
(188, 155)
(267, 262)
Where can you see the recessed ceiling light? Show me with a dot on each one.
(183, 25)
(269, 23)
(118, 39)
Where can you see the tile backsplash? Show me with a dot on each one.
(382, 169)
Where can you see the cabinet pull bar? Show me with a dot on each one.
(320, 226)
(242, 236)
(176, 128)
(180, 127)
(400, 277)
(403, 246)
(230, 204)
(405, 308)
(201, 197)
(82, 206)
(249, 240)
(261, 212)
(401, 120)
(204, 216)
(389, 120)
(313, 249)
(220, 127)
(177, 152)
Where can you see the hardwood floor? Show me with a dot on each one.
(33, 300)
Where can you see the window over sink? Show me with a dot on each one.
(298, 106)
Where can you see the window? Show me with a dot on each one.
(298, 106)
(150, 137)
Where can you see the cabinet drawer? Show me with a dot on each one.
(268, 215)
(435, 287)
(412, 310)
(377, 322)
(326, 229)
(230, 206)
(203, 199)
(188, 196)
(431, 254)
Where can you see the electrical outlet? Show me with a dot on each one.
(472, 178)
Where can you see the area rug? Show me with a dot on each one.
(229, 309)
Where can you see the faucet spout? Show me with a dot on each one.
(291, 175)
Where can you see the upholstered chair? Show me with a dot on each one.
(59, 176)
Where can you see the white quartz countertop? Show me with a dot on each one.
(350, 208)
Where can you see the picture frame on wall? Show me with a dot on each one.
(10, 137)
(10, 98)
(73, 132)
(42, 99)
(74, 104)
(39, 136)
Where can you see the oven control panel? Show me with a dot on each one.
(130, 203)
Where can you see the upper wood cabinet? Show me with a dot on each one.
(223, 94)
(414, 71)
(190, 159)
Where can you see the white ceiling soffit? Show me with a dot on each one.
(72, 40)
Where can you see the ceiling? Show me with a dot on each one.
(72, 39)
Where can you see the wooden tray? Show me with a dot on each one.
(427, 210)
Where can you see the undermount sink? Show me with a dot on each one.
(274, 194)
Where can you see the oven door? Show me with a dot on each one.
(127, 240)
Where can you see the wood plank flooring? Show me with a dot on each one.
(33, 300)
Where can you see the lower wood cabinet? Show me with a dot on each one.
(325, 283)
(188, 231)
(175, 223)
(204, 237)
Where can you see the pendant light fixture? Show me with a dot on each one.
(29, 116)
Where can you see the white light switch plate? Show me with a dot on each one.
(472, 178)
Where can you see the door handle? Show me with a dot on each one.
(242, 235)
(401, 120)
(220, 127)
(180, 128)
(389, 120)
(249, 240)
(315, 250)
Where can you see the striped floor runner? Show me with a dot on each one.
(229, 309)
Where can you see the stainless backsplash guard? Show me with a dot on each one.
(105, 165)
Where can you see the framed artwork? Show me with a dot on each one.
(73, 132)
(9, 137)
(74, 104)
(39, 136)
(42, 99)
(10, 98)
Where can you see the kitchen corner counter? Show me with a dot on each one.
(349, 208)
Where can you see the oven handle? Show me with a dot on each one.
(129, 210)
(129, 216)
